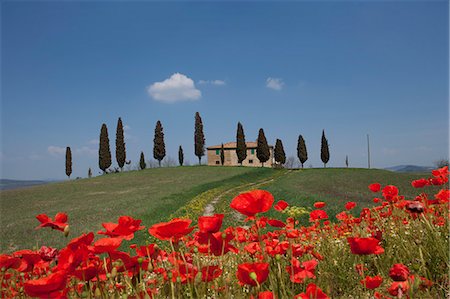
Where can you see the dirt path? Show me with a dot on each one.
(209, 209)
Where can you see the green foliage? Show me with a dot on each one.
(104, 153)
(280, 155)
(324, 151)
(302, 153)
(68, 161)
(262, 149)
(142, 164)
(196, 206)
(199, 138)
(241, 147)
(159, 147)
(180, 156)
(121, 155)
(222, 155)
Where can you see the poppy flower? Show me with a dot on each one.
(350, 205)
(48, 253)
(376, 187)
(42, 287)
(210, 224)
(281, 205)
(420, 183)
(319, 204)
(276, 223)
(300, 272)
(390, 192)
(266, 295)
(372, 282)
(252, 273)
(7, 261)
(125, 228)
(364, 246)
(107, 245)
(399, 272)
(210, 273)
(312, 292)
(398, 287)
(174, 229)
(59, 223)
(317, 215)
(253, 202)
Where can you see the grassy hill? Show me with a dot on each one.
(154, 195)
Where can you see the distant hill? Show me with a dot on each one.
(410, 168)
(16, 184)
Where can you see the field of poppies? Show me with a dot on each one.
(397, 249)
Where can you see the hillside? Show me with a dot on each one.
(154, 195)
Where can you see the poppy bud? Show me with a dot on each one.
(97, 293)
(253, 276)
(114, 272)
(66, 230)
(140, 260)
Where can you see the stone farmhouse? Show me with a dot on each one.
(231, 156)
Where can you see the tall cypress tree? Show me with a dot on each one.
(120, 145)
(302, 154)
(324, 151)
(222, 155)
(104, 154)
(346, 161)
(142, 164)
(159, 148)
(241, 147)
(89, 173)
(180, 156)
(68, 162)
(280, 155)
(199, 138)
(262, 148)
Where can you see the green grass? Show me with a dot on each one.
(151, 195)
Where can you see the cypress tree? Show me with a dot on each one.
(68, 162)
(142, 164)
(302, 154)
(241, 147)
(89, 173)
(159, 148)
(120, 145)
(199, 138)
(262, 148)
(104, 154)
(324, 151)
(222, 155)
(180, 156)
(280, 155)
(346, 161)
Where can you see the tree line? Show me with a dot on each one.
(159, 149)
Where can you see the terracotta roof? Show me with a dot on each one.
(232, 145)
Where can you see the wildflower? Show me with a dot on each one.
(319, 204)
(44, 287)
(375, 187)
(390, 192)
(372, 282)
(125, 228)
(364, 246)
(210, 224)
(420, 183)
(281, 205)
(210, 273)
(107, 245)
(350, 205)
(252, 273)
(312, 292)
(174, 229)
(397, 288)
(317, 215)
(399, 272)
(59, 223)
(300, 272)
(253, 202)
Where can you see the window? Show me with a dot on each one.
(217, 162)
(253, 152)
(250, 161)
(218, 152)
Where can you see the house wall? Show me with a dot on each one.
(232, 160)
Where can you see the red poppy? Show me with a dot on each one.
(398, 287)
(42, 287)
(60, 222)
(372, 282)
(350, 205)
(312, 292)
(317, 215)
(7, 261)
(375, 187)
(174, 229)
(319, 204)
(125, 228)
(48, 253)
(210, 273)
(299, 272)
(420, 183)
(281, 205)
(107, 245)
(210, 224)
(266, 295)
(253, 202)
(276, 223)
(390, 192)
(399, 272)
(364, 246)
(252, 273)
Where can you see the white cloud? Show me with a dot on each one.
(274, 83)
(56, 150)
(85, 151)
(212, 82)
(174, 89)
(94, 141)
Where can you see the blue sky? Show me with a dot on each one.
(350, 68)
